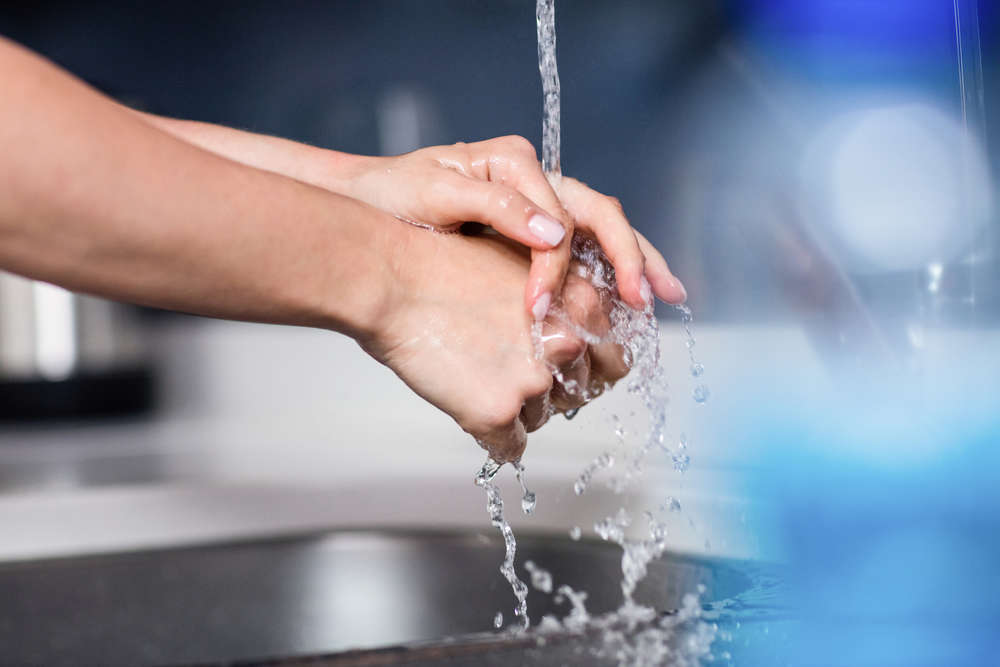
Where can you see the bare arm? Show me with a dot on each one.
(96, 199)
(498, 182)
(323, 168)
(93, 198)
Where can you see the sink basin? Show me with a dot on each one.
(345, 598)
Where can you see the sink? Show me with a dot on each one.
(341, 598)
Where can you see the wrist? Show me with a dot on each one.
(341, 172)
(359, 301)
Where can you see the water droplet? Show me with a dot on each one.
(697, 370)
(700, 394)
(574, 533)
(540, 579)
(498, 620)
(671, 504)
(527, 497)
(579, 486)
(572, 412)
(528, 502)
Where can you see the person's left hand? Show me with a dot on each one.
(500, 183)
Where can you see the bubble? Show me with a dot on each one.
(498, 620)
(700, 393)
(697, 369)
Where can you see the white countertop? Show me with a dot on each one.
(268, 430)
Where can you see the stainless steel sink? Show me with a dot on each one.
(337, 598)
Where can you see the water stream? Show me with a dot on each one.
(633, 634)
(545, 21)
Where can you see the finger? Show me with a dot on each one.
(571, 389)
(608, 363)
(536, 388)
(536, 413)
(602, 217)
(460, 198)
(585, 307)
(513, 162)
(664, 283)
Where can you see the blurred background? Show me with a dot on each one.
(821, 175)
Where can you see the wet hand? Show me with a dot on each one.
(455, 330)
(500, 183)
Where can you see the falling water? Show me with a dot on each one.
(494, 505)
(631, 635)
(638, 334)
(545, 21)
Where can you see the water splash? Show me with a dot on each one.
(578, 618)
(701, 392)
(494, 506)
(631, 635)
(527, 497)
(541, 580)
(605, 460)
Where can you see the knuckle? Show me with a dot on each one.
(565, 348)
(500, 196)
(588, 300)
(539, 384)
(571, 348)
(518, 144)
(614, 203)
(499, 414)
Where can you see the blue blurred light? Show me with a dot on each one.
(908, 21)
(858, 40)
(891, 560)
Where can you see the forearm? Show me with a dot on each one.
(95, 199)
(328, 169)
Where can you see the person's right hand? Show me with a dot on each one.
(499, 182)
(453, 327)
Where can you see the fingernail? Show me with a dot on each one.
(644, 290)
(679, 285)
(541, 307)
(546, 229)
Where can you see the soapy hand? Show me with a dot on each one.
(500, 183)
(455, 331)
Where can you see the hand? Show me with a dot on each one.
(454, 330)
(500, 183)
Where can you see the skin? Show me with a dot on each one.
(100, 199)
(498, 182)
